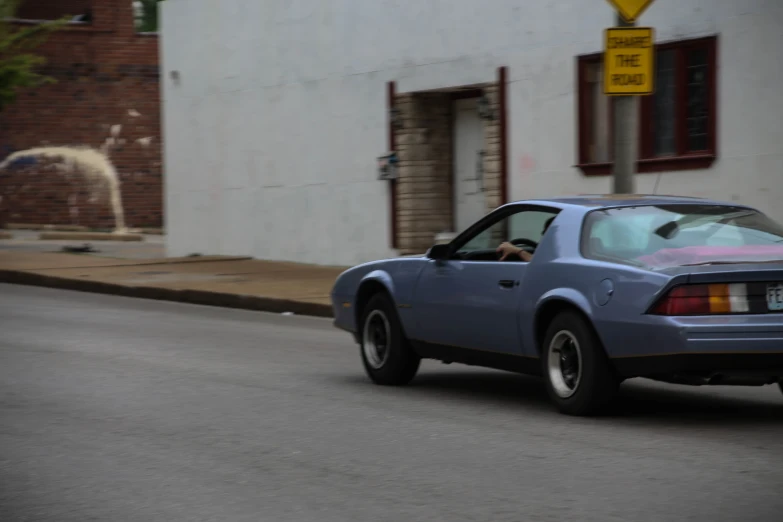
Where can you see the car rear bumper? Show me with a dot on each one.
(741, 335)
(705, 366)
(719, 344)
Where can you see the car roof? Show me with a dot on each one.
(593, 201)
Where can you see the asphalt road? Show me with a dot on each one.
(115, 409)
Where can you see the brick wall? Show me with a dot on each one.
(107, 75)
(424, 188)
(492, 170)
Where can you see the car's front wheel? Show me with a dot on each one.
(387, 355)
(579, 377)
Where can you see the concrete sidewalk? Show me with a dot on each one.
(236, 282)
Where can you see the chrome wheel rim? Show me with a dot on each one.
(376, 339)
(564, 364)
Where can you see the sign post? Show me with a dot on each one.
(629, 72)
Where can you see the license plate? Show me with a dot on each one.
(775, 296)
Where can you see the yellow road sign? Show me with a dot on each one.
(629, 61)
(630, 9)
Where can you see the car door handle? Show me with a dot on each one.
(507, 283)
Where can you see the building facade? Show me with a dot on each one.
(277, 114)
(106, 97)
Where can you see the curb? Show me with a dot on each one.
(152, 231)
(144, 262)
(200, 297)
(57, 228)
(88, 236)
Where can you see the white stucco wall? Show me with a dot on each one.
(272, 131)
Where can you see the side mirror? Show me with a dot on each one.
(439, 252)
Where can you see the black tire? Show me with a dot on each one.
(399, 366)
(597, 385)
(780, 385)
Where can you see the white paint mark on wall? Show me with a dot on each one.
(94, 165)
(145, 142)
(133, 113)
(116, 130)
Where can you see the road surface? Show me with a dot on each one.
(114, 409)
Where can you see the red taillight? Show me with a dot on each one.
(703, 300)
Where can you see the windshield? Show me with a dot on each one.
(681, 235)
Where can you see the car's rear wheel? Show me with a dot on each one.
(387, 355)
(579, 377)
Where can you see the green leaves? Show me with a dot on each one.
(149, 16)
(18, 65)
(16, 73)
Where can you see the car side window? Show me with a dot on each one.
(525, 224)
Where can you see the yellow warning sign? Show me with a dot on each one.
(629, 61)
(630, 10)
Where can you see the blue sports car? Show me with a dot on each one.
(590, 291)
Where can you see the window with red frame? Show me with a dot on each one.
(677, 122)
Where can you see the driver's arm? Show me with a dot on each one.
(507, 249)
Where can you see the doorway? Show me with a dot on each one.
(469, 200)
(449, 146)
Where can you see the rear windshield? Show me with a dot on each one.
(681, 235)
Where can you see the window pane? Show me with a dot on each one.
(697, 100)
(483, 241)
(598, 146)
(664, 112)
(528, 224)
